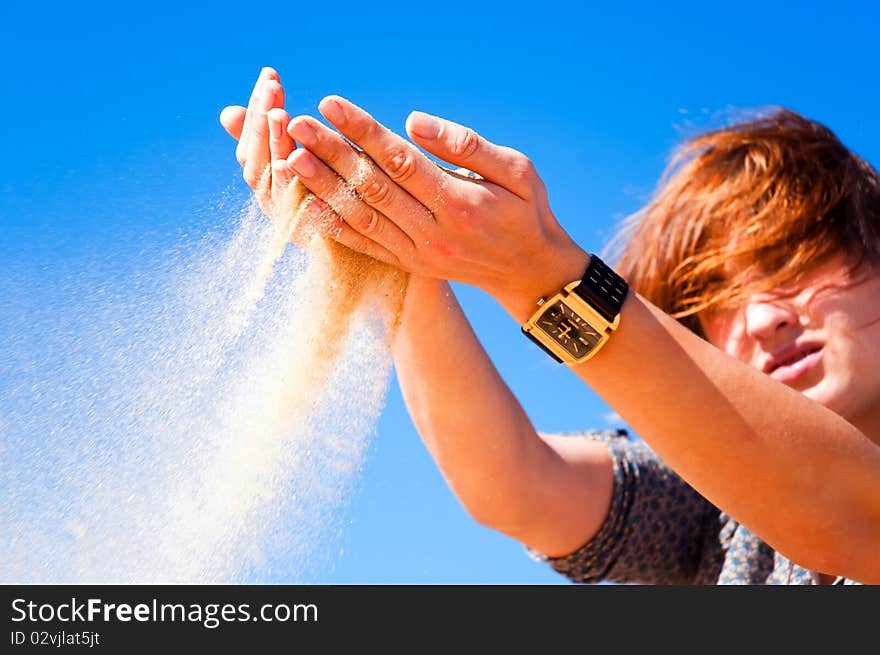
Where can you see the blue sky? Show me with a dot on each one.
(113, 149)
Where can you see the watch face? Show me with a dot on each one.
(569, 330)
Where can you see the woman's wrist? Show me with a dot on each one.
(424, 295)
(548, 271)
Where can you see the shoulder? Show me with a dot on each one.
(656, 524)
(627, 450)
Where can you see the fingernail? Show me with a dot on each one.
(315, 209)
(274, 130)
(333, 111)
(268, 97)
(424, 125)
(304, 164)
(304, 133)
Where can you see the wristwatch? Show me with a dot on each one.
(571, 326)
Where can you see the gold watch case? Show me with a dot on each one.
(568, 327)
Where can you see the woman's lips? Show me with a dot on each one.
(798, 367)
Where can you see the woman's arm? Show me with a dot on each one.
(794, 472)
(551, 495)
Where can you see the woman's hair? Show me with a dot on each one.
(750, 207)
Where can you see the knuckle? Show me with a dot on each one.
(327, 222)
(470, 212)
(465, 143)
(376, 192)
(250, 177)
(330, 156)
(523, 168)
(359, 131)
(400, 163)
(369, 223)
(331, 228)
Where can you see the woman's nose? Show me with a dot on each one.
(769, 319)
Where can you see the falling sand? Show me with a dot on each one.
(207, 427)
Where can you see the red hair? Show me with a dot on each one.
(750, 207)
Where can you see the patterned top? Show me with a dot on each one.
(659, 530)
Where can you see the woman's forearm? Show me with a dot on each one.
(791, 470)
(482, 440)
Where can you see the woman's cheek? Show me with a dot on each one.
(836, 387)
(727, 334)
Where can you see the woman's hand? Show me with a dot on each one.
(261, 130)
(494, 231)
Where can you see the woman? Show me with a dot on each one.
(764, 241)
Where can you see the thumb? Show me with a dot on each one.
(232, 120)
(461, 146)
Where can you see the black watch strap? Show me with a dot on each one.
(602, 288)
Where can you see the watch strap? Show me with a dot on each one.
(603, 289)
(542, 346)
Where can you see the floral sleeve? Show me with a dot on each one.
(655, 529)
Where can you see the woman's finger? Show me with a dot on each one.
(241, 149)
(280, 147)
(333, 190)
(257, 132)
(461, 146)
(327, 222)
(280, 143)
(400, 160)
(232, 120)
(367, 179)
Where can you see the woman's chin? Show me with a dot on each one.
(830, 395)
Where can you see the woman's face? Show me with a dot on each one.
(821, 338)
